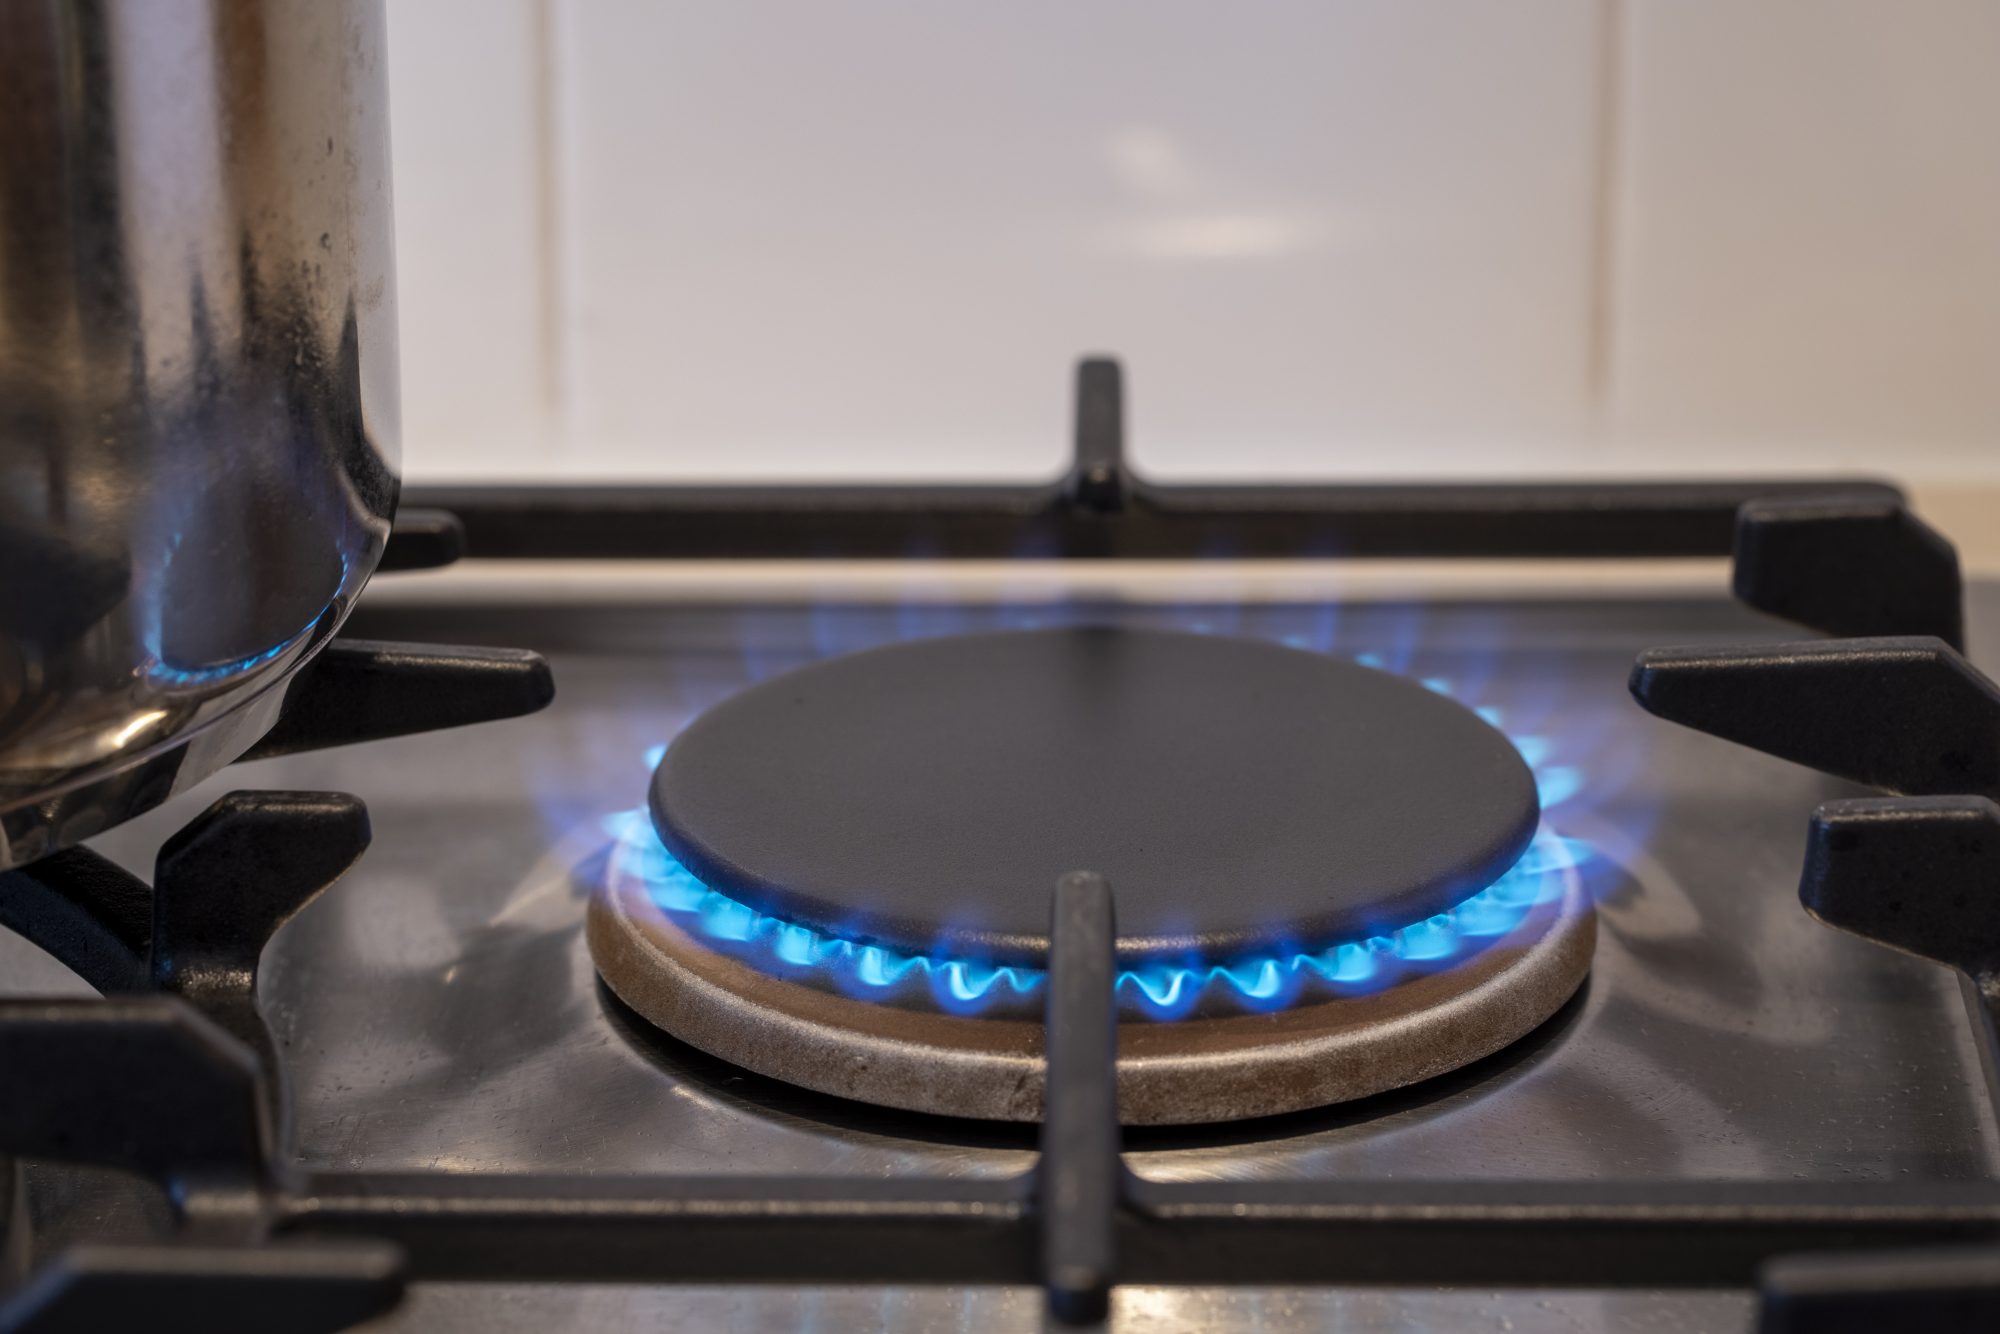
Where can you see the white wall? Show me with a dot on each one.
(1368, 238)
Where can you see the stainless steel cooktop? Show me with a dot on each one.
(439, 1010)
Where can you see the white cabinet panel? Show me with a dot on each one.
(466, 130)
(867, 239)
(1809, 235)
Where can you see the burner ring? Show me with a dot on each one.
(1195, 1071)
(1242, 796)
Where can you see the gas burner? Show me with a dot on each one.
(1330, 878)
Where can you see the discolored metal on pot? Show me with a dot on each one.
(1185, 1072)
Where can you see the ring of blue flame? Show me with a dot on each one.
(163, 672)
(1162, 990)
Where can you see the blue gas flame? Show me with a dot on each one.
(1256, 982)
(164, 673)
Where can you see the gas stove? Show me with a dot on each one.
(1178, 922)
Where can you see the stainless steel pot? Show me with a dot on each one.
(198, 399)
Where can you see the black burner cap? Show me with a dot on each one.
(1239, 795)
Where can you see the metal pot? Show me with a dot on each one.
(198, 397)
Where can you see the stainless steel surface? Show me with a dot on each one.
(198, 429)
(436, 1309)
(439, 1008)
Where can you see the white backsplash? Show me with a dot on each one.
(1394, 238)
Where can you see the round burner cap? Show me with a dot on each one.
(1240, 796)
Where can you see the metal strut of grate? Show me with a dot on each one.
(1101, 507)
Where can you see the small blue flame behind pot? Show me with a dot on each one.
(162, 672)
(1256, 982)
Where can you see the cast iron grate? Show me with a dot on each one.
(156, 1085)
(1102, 508)
(173, 1076)
(1894, 705)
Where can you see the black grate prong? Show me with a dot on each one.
(91, 914)
(313, 1288)
(144, 1083)
(1948, 1290)
(17, 1247)
(224, 885)
(363, 690)
(1907, 714)
(1919, 873)
(423, 539)
(1080, 1173)
(222, 888)
(1851, 565)
(1096, 483)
